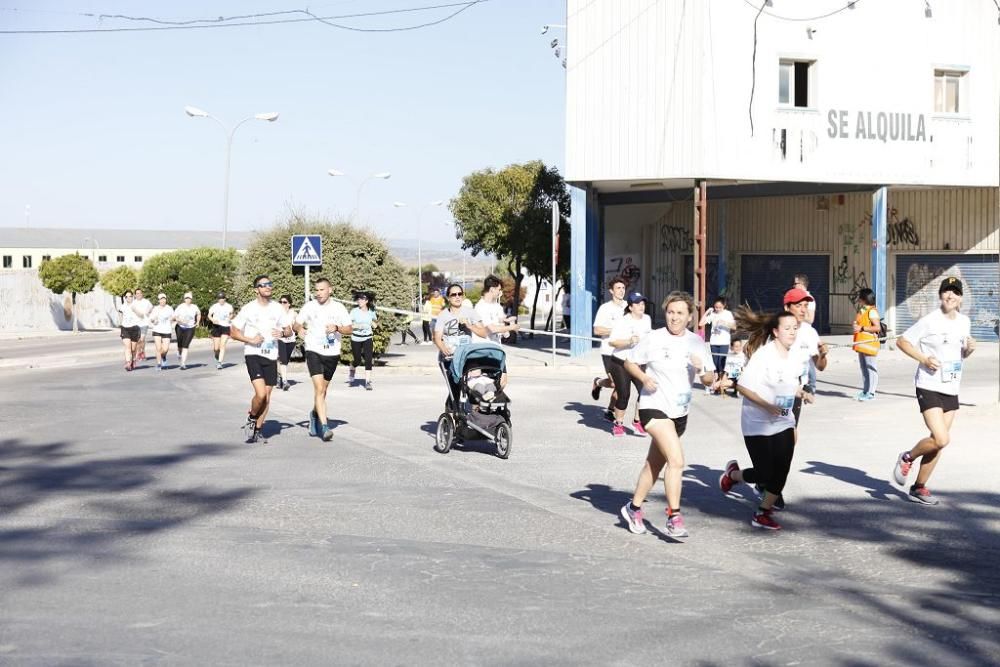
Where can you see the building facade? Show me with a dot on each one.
(857, 143)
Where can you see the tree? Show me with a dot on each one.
(353, 259)
(201, 271)
(508, 214)
(68, 273)
(119, 280)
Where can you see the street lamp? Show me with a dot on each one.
(97, 246)
(382, 175)
(195, 112)
(420, 265)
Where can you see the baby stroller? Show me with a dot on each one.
(476, 405)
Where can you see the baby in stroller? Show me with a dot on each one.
(481, 387)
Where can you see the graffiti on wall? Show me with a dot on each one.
(900, 231)
(675, 237)
(849, 278)
(624, 266)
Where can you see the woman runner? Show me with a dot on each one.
(940, 340)
(187, 315)
(221, 317)
(770, 384)
(161, 321)
(131, 319)
(286, 344)
(672, 356)
(719, 338)
(363, 317)
(625, 335)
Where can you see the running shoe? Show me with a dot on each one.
(675, 525)
(868, 397)
(763, 519)
(183, 367)
(350, 378)
(218, 366)
(637, 427)
(128, 366)
(313, 423)
(618, 430)
(708, 391)
(327, 434)
(159, 367)
(250, 431)
(726, 482)
(922, 495)
(595, 389)
(368, 385)
(860, 396)
(609, 415)
(285, 386)
(633, 520)
(902, 468)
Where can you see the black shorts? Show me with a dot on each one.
(285, 350)
(608, 361)
(184, 337)
(218, 331)
(680, 423)
(157, 334)
(319, 364)
(130, 333)
(261, 367)
(928, 399)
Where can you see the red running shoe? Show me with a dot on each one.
(726, 482)
(763, 519)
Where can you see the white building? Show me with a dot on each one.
(856, 142)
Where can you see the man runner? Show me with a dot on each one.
(221, 316)
(609, 313)
(142, 304)
(491, 313)
(258, 326)
(321, 323)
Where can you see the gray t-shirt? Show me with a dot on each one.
(452, 332)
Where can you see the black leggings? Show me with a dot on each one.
(285, 349)
(772, 459)
(427, 331)
(623, 382)
(362, 349)
(408, 331)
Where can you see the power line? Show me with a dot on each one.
(240, 21)
(850, 5)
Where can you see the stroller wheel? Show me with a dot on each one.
(504, 439)
(445, 433)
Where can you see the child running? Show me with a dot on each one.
(735, 361)
(671, 355)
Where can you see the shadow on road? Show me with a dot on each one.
(590, 415)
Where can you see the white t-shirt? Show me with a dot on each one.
(668, 361)
(143, 306)
(609, 313)
(316, 316)
(291, 315)
(806, 347)
(159, 319)
(186, 314)
(723, 324)
(221, 314)
(627, 327)
(939, 336)
(734, 365)
(452, 333)
(130, 318)
(254, 319)
(491, 313)
(775, 380)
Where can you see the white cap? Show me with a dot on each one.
(161, 295)
(188, 295)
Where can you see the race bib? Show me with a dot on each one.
(786, 403)
(683, 400)
(269, 348)
(951, 371)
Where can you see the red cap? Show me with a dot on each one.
(795, 295)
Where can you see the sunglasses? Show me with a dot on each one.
(456, 294)
(265, 284)
(283, 301)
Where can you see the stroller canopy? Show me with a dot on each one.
(475, 352)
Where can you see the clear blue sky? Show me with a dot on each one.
(94, 133)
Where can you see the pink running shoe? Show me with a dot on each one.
(675, 525)
(637, 427)
(618, 430)
(902, 469)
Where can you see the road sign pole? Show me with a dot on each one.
(306, 299)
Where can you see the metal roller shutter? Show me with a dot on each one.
(919, 276)
(764, 279)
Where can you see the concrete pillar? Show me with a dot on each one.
(585, 258)
(879, 270)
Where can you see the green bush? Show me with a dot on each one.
(119, 280)
(353, 259)
(201, 271)
(68, 273)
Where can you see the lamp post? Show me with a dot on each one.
(195, 112)
(420, 265)
(381, 175)
(94, 249)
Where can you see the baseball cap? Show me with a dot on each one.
(950, 284)
(188, 295)
(161, 295)
(796, 295)
(220, 295)
(636, 297)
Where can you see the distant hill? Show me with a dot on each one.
(447, 256)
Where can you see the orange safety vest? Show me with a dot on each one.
(436, 305)
(864, 341)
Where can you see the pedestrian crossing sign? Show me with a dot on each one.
(307, 250)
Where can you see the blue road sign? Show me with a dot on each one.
(307, 250)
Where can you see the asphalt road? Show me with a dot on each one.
(136, 527)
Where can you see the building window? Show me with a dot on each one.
(121, 259)
(103, 259)
(138, 259)
(26, 261)
(795, 83)
(8, 261)
(948, 86)
(46, 258)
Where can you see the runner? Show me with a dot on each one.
(321, 323)
(801, 281)
(808, 348)
(131, 317)
(735, 361)
(770, 385)
(867, 327)
(188, 315)
(407, 331)
(144, 306)
(722, 323)
(221, 317)
(625, 335)
(258, 325)
(161, 320)
(498, 324)
(609, 313)
(363, 317)
(455, 326)
(672, 356)
(940, 341)
(286, 344)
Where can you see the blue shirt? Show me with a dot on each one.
(362, 321)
